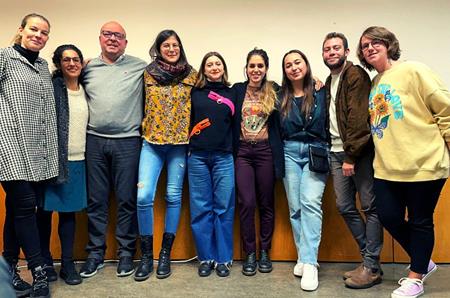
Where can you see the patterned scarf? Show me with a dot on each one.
(166, 74)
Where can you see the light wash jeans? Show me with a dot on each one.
(212, 200)
(151, 163)
(304, 190)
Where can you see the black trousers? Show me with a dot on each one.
(20, 230)
(66, 232)
(416, 233)
(112, 164)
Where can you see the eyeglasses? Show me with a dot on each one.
(375, 43)
(66, 60)
(110, 34)
(167, 46)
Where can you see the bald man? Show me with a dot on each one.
(114, 84)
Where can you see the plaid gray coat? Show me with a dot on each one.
(28, 138)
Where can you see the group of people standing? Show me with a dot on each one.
(70, 137)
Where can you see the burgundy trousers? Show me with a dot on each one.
(255, 181)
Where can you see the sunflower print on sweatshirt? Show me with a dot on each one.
(383, 103)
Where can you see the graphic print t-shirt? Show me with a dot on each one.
(254, 120)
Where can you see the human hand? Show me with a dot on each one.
(319, 84)
(348, 169)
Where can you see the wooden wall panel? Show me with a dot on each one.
(337, 243)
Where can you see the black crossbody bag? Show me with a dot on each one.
(318, 159)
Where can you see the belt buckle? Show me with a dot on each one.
(253, 142)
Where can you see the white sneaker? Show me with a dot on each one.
(432, 267)
(409, 288)
(310, 278)
(298, 269)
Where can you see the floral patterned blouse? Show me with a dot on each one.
(167, 110)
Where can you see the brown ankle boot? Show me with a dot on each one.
(366, 278)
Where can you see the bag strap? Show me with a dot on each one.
(199, 127)
(221, 99)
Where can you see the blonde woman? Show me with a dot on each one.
(29, 146)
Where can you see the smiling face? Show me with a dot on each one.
(34, 35)
(70, 65)
(295, 67)
(334, 54)
(112, 41)
(170, 50)
(375, 53)
(214, 69)
(256, 70)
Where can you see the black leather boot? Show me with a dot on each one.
(40, 283)
(249, 265)
(145, 266)
(265, 264)
(163, 269)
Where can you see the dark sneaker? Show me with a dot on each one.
(125, 267)
(22, 288)
(223, 270)
(40, 283)
(205, 268)
(91, 267)
(69, 274)
(50, 272)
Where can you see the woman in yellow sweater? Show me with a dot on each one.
(409, 110)
(168, 82)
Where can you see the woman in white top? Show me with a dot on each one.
(68, 192)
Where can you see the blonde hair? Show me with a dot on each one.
(17, 37)
(268, 97)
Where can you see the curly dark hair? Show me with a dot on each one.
(58, 54)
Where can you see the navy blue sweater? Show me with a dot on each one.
(218, 136)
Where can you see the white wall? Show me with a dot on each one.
(235, 27)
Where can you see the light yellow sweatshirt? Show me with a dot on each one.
(410, 121)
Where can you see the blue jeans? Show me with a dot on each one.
(304, 190)
(151, 163)
(212, 200)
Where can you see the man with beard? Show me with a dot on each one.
(348, 88)
(114, 84)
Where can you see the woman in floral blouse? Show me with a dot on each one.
(168, 82)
